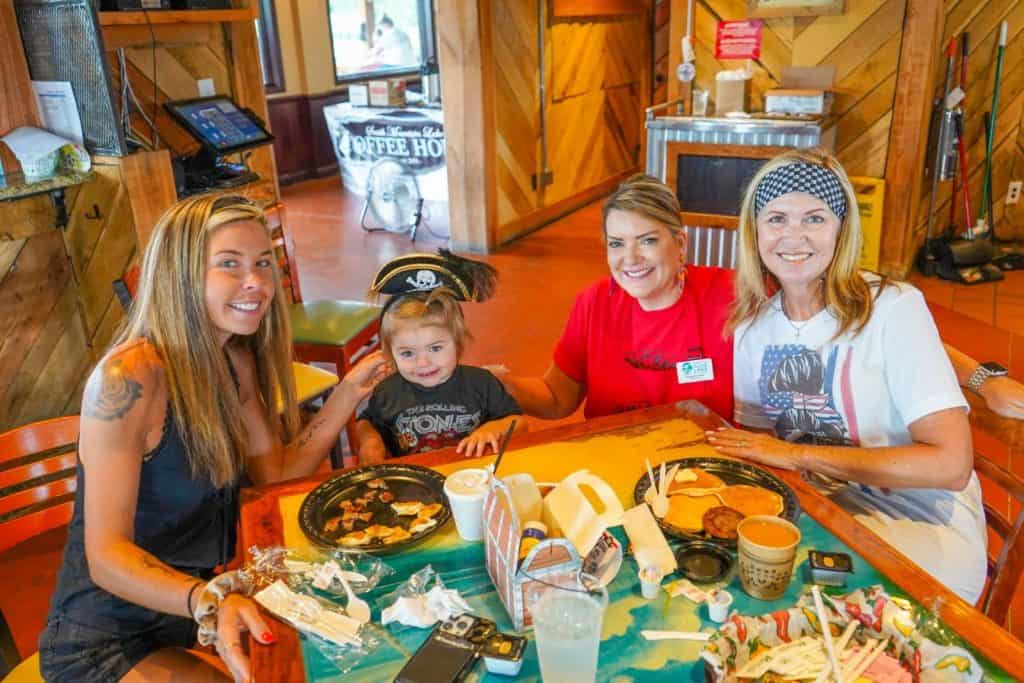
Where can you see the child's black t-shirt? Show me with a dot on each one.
(415, 419)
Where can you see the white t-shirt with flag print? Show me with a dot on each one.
(865, 390)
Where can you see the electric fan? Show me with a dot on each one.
(393, 198)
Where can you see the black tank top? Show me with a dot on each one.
(186, 523)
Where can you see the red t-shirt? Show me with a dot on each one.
(626, 357)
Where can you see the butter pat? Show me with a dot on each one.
(649, 544)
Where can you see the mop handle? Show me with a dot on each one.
(995, 112)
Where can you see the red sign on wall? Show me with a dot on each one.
(738, 39)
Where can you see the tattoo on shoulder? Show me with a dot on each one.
(117, 393)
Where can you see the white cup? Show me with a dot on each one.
(465, 490)
(719, 603)
(650, 582)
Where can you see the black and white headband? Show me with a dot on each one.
(815, 180)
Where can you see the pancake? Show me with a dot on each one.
(687, 512)
(694, 478)
(752, 500)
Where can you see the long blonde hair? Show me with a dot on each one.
(170, 312)
(847, 294)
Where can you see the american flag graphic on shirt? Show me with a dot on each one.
(798, 392)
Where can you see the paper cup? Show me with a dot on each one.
(465, 490)
(766, 568)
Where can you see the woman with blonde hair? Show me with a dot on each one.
(179, 412)
(651, 332)
(844, 375)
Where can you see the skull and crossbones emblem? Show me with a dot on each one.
(424, 280)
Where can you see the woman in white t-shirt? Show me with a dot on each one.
(846, 374)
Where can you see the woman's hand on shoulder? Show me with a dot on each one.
(367, 373)
(1004, 396)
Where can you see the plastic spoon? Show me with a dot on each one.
(356, 607)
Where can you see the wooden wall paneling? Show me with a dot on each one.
(247, 88)
(293, 150)
(28, 294)
(922, 29)
(24, 383)
(880, 65)
(149, 182)
(115, 247)
(516, 112)
(83, 229)
(26, 217)
(69, 362)
(324, 160)
(115, 37)
(465, 54)
(821, 37)
(595, 8)
(873, 106)
(577, 58)
(18, 104)
(662, 31)
(866, 155)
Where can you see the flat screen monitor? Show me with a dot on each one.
(713, 184)
(220, 124)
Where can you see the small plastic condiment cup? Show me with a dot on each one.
(719, 602)
(650, 582)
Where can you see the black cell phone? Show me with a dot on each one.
(444, 657)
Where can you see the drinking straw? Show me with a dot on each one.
(504, 445)
(826, 633)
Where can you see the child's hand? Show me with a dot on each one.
(371, 454)
(475, 445)
(367, 374)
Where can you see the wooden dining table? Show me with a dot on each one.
(263, 524)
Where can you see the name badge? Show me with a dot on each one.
(698, 370)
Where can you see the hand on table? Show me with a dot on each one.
(236, 615)
(367, 374)
(756, 446)
(476, 444)
(1004, 396)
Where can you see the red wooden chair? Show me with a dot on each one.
(37, 492)
(1006, 561)
(324, 331)
(37, 478)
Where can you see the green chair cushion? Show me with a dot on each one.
(332, 323)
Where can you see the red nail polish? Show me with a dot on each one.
(268, 637)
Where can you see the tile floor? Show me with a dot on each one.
(540, 275)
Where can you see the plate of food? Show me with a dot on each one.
(378, 509)
(708, 497)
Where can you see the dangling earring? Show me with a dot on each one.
(681, 276)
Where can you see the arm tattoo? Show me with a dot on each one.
(116, 394)
(309, 433)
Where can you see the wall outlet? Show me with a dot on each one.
(1013, 192)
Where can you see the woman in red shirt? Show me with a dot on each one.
(651, 332)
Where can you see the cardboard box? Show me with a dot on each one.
(802, 90)
(390, 93)
(359, 95)
(731, 96)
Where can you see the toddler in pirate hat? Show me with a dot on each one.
(432, 401)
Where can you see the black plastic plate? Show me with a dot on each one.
(405, 482)
(731, 472)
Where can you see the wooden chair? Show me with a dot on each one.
(37, 492)
(1006, 562)
(325, 331)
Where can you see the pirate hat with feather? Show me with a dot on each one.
(422, 273)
